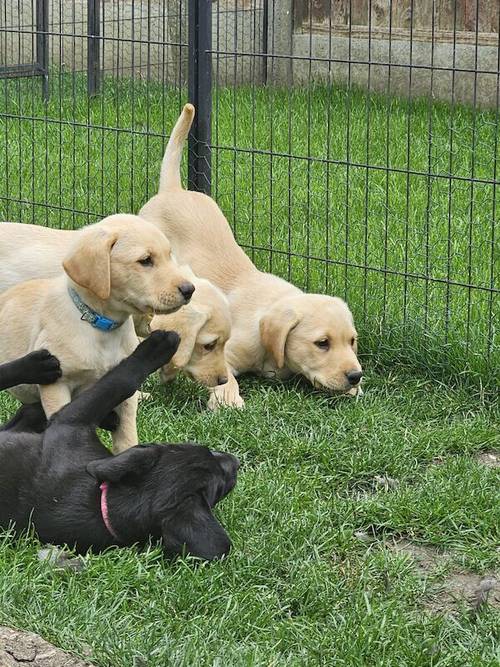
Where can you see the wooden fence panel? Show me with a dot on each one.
(450, 16)
(395, 15)
(359, 11)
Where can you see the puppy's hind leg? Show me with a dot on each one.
(121, 383)
(30, 418)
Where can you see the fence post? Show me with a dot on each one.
(200, 93)
(265, 39)
(42, 44)
(280, 22)
(93, 46)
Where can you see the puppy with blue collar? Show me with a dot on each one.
(115, 269)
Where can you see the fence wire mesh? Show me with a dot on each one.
(354, 145)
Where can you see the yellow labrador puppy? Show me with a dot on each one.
(119, 267)
(31, 251)
(204, 326)
(277, 329)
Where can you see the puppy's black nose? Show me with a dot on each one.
(186, 289)
(354, 377)
(222, 379)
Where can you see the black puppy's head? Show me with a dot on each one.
(177, 485)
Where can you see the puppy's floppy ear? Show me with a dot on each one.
(275, 326)
(187, 322)
(136, 460)
(89, 262)
(193, 528)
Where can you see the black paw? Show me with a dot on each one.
(158, 348)
(111, 422)
(40, 367)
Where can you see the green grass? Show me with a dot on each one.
(300, 587)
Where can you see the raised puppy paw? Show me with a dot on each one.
(39, 367)
(158, 348)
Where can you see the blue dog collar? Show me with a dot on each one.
(89, 315)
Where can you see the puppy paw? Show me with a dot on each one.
(111, 422)
(40, 367)
(355, 392)
(158, 348)
(221, 399)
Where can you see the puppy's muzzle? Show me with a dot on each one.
(187, 291)
(228, 462)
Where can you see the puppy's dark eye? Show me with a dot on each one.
(146, 261)
(210, 346)
(353, 341)
(323, 344)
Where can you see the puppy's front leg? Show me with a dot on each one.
(227, 395)
(38, 367)
(125, 435)
(93, 405)
(54, 396)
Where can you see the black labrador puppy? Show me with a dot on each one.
(73, 491)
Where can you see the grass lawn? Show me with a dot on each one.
(302, 585)
(355, 523)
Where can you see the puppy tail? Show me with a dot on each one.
(170, 175)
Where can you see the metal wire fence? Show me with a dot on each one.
(352, 144)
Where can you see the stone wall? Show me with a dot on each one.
(464, 87)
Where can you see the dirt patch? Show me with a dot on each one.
(369, 488)
(460, 589)
(457, 589)
(438, 460)
(26, 648)
(490, 459)
(426, 558)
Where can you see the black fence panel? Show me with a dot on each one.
(361, 160)
(352, 144)
(32, 59)
(117, 79)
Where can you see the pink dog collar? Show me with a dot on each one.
(104, 510)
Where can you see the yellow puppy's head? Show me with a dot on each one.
(314, 335)
(204, 327)
(128, 263)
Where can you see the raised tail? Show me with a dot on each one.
(170, 175)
